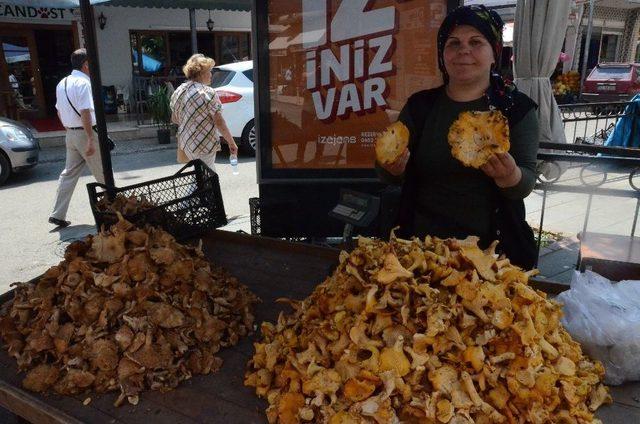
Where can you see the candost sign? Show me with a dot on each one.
(340, 72)
(15, 11)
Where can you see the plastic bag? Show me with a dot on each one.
(605, 319)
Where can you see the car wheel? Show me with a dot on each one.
(5, 168)
(248, 141)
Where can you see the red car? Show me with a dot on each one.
(612, 82)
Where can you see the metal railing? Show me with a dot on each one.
(585, 165)
(595, 171)
(591, 123)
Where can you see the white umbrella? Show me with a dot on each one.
(540, 29)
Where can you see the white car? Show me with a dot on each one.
(18, 148)
(234, 84)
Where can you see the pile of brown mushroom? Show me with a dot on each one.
(128, 309)
(424, 331)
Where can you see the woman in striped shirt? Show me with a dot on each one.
(197, 111)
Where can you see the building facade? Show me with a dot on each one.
(615, 32)
(132, 42)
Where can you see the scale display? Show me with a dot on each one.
(355, 208)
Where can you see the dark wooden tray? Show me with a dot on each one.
(271, 269)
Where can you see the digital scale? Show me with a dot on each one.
(355, 209)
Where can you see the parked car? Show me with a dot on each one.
(18, 148)
(234, 84)
(612, 82)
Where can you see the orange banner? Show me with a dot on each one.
(340, 71)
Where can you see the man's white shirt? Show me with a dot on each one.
(79, 91)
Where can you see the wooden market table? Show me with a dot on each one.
(612, 256)
(271, 269)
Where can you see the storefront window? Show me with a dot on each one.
(245, 51)
(232, 47)
(179, 51)
(133, 41)
(608, 48)
(229, 48)
(21, 93)
(165, 53)
(206, 44)
(153, 49)
(149, 53)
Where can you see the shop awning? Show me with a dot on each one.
(52, 3)
(166, 4)
(186, 4)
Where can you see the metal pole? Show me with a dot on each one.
(604, 23)
(89, 30)
(587, 45)
(194, 31)
(544, 205)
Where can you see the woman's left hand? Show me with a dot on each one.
(503, 169)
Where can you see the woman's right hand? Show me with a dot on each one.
(397, 167)
(233, 147)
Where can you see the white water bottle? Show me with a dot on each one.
(233, 160)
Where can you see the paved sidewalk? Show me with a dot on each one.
(558, 261)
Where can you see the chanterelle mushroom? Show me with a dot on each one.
(425, 331)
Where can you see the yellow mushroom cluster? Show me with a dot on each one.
(424, 331)
(127, 310)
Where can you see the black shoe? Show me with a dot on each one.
(59, 222)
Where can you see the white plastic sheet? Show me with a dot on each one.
(605, 318)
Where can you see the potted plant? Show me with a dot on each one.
(161, 113)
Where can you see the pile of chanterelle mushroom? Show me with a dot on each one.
(424, 331)
(127, 310)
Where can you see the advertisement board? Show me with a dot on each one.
(333, 74)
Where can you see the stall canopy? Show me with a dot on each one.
(539, 31)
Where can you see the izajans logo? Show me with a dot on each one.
(352, 45)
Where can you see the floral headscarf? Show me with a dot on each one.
(489, 24)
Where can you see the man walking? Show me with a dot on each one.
(76, 112)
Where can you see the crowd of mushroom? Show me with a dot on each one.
(424, 331)
(127, 310)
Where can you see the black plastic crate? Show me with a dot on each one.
(254, 213)
(187, 203)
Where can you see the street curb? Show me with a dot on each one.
(115, 153)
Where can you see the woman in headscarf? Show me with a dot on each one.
(197, 110)
(442, 197)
